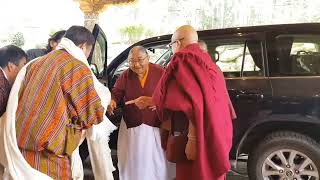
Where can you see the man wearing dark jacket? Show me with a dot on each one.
(12, 59)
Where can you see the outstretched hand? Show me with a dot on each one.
(142, 102)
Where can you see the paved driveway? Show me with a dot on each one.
(231, 176)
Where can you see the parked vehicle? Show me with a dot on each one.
(272, 74)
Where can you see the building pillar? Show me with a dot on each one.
(92, 9)
(90, 19)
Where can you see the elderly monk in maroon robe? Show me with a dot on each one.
(194, 86)
(140, 156)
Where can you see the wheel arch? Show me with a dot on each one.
(258, 131)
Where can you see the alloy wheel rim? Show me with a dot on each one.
(288, 164)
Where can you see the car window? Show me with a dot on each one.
(297, 55)
(232, 58)
(99, 56)
(156, 53)
(165, 58)
(303, 46)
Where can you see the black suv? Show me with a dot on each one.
(272, 74)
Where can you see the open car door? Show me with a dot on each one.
(98, 55)
(98, 64)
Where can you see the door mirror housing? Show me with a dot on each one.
(216, 56)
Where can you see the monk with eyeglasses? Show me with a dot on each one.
(192, 91)
(140, 156)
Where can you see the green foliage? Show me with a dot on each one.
(17, 39)
(206, 21)
(132, 33)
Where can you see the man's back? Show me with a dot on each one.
(56, 100)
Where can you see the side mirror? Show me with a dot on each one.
(152, 50)
(94, 69)
(216, 56)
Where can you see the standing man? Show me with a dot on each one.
(140, 156)
(57, 101)
(194, 87)
(12, 59)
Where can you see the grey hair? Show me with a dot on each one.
(140, 48)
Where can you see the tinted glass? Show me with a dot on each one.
(235, 55)
(297, 55)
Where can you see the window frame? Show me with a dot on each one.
(244, 41)
(102, 76)
(100, 41)
(296, 38)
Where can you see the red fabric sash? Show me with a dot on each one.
(194, 85)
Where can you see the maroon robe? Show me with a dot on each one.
(4, 92)
(128, 87)
(192, 84)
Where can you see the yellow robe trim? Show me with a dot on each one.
(144, 79)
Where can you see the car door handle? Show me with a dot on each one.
(250, 96)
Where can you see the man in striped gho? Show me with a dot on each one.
(57, 101)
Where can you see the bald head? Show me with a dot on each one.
(184, 36)
(188, 33)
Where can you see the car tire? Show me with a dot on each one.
(272, 159)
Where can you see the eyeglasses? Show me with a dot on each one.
(170, 44)
(140, 61)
